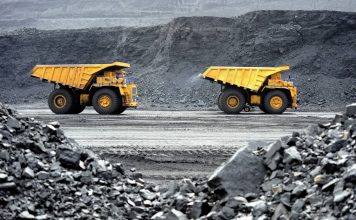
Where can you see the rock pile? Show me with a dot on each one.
(44, 175)
(311, 174)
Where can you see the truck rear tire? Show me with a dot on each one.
(232, 101)
(77, 107)
(218, 102)
(121, 110)
(275, 102)
(61, 101)
(262, 108)
(106, 101)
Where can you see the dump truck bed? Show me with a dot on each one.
(75, 76)
(248, 77)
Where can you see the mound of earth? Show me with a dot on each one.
(320, 47)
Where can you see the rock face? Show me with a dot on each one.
(14, 15)
(166, 59)
(242, 173)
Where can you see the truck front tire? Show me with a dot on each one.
(106, 101)
(78, 108)
(232, 101)
(61, 101)
(121, 110)
(275, 102)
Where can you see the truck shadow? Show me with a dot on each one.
(255, 113)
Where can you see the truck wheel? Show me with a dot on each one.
(106, 101)
(60, 101)
(275, 102)
(77, 107)
(218, 102)
(262, 108)
(232, 101)
(121, 110)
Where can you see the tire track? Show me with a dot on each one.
(169, 145)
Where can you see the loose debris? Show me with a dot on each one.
(308, 175)
(312, 174)
(44, 175)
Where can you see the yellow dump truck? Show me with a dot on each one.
(104, 86)
(254, 86)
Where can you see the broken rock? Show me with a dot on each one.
(7, 186)
(176, 215)
(26, 215)
(68, 158)
(28, 173)
(351, 174)
(42, 175)
(341, 195)
(336, 145)
(13, 123)
(351, 109)
(280, 213)
(242, 173)
(146, 194)
(272, 156)
(291, 154)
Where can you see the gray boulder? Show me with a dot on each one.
(242, 173)
(351, 109)
(272, 156)
(351, 173)
(13, 123)
(176, 215)
(68, 157)
(291, 154)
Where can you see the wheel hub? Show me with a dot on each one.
(233, 101)
(276, 102)
(105, 101)
(60, 101)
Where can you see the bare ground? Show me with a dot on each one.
(168, 145)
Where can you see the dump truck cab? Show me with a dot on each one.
(275, 81)
(253, 86)
(106, 87)
(117, 77)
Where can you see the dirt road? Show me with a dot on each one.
(166, 145)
